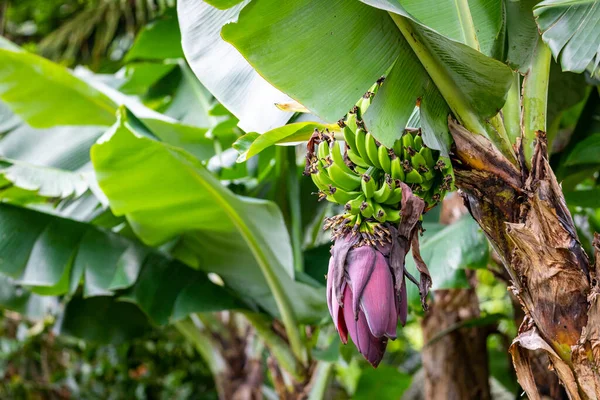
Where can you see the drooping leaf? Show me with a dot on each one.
(241, 239)
(34, 88)
(583, 198)
(522, 33)
(431, 59)
(140, 76)
(447, 252)
(343, 47)
(291, 133)
(16, 298)
(167, 291)
(46, 182)
(223, 70)
(571, 30)
(102, 320)
(159, 40)
(462, 21)
(585, 152)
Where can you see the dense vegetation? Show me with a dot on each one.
(156, 243)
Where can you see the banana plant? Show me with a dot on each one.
(478, 74)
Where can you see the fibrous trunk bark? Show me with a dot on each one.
(455, 360)
(523, 213)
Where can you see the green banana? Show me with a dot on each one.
(353, 206)
(417, 161)
(398, 147)
(391, 215)
(383, 193)
(407, 140)
(356, 159)
(366, 209)
(368, 185)
(379, 213)
(349, 138)
(336, 156)
(395, 197)
(361, 144)
(384, 159)
(412, 176)
(418, 140)
(341, 196)
(371, 148)
(342, 179)
(428, 156)
(323, 151)
(397, 170)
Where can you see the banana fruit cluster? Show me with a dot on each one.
(364, 176)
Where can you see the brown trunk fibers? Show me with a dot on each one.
(455, 363)
(524, 215)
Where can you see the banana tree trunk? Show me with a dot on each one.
(524, 215)
(455, 360)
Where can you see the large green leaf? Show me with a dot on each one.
(340, 49)
(223, 70)
(463, 21)
(386, 381)
(53, 255)
(571, 30)
(16, 298)
(447, 252)
(46, 182)
(585, 152)
(583, 198)
(102, 320)
(251, 144)
(522, 33)
(158, 40)
(474, 94)
(34, 88)
(164, 193)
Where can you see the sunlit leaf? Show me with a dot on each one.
(164, 192)
(571, 30)
(34, 88)
(223, 70)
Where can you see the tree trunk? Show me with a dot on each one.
(524, 215)
(455, 360)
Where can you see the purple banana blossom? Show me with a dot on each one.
(363, 296)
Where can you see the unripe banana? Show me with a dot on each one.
(417, 161)
(360, 144)
(395, 197)
(407, 140)
(383, 193)
(349, 138)
(353, 206)
(428, 156)
(379, 213)
(366, 209)
(384, 159)
(398, 147)
(371, 148)
(412, 176)
(397, 170)
(342, 179)
(356, 159)
(418, 140)
(368, 185)
(323, 151)
(336, 156)
(391, 214)
(341, 196)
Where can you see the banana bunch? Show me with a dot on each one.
(364, 176)
(409, 161)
